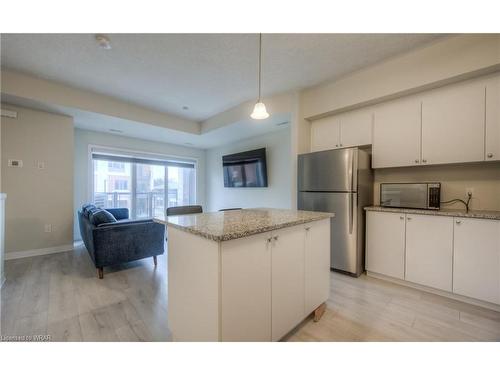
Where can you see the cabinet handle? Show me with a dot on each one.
(458, 221)
(424, 160)
(275, 238)
(307, 229)
(336, 145)
(402, 217)
(416, 161)
(490, 155)
(269, 239)
(341, 145)
(408, 218)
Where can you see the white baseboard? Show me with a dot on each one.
(457, 297)
(36, 252)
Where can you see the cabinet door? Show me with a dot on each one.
(287, 280)
(476, 259)
(317, 264)
(325, 134)
(453, 124)
(356, 128)
(397, 133)
(429, 250)
(492, 151)
(246, 289)
(385, 243)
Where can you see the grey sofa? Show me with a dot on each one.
(120, 239)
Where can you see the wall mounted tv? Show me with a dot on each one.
(245, 169)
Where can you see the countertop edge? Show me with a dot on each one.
(473, 214)
(234, 236)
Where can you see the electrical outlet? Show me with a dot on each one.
(40, 164)
(469, 191)
(48, 228)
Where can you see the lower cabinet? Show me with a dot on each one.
(476, 261)
(453, 254)
(287, 280)
(429, 250)
(271, 281)
(385, 243)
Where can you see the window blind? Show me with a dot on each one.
(140, 160)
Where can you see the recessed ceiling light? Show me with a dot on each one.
(115, 131)
(185, 107)
(103, 41)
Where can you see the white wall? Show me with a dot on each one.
(37, 196)
(278, 194)
(84, 138)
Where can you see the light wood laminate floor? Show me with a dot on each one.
(60, 295)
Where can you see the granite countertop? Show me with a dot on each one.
(229, 225)
(477, 214)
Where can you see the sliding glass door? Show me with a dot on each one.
(145, 186)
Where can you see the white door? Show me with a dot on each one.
(429, 250)
(453, 124)
(492, 151)
(397, 133)
(356, 128)
(287, 280)
(246, 289)
(385, 243)
(325, 133)
(476, 259)
(317, 264)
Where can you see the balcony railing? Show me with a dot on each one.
(141, 205)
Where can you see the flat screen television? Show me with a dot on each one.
(245, 169)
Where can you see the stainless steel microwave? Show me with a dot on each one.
(411, 195)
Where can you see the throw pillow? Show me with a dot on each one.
(101, 217)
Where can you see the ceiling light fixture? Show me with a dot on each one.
(259, 111)
(103, 41)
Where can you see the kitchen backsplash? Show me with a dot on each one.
(484, 178)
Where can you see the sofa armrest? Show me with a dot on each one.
(126, 242)
(119, 213)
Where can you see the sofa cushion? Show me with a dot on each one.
(101, 216)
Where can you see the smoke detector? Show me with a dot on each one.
(103, 41)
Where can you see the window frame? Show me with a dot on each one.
(94, 148)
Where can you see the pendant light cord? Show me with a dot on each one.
(260, 61)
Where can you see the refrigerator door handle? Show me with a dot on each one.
(351, 170)
(351, 212)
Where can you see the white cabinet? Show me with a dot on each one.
(492, 149)
(317, 264)
(287, 280)
(345, 130)
(397, 133)
(385, 243)
(429, 250)
(453, 124)
(356, 128)
(325, 134)
(476, 259)
(246, 289)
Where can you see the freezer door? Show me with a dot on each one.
(344, 229)
(331, 170)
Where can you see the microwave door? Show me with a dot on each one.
(404, 195)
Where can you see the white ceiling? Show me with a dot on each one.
(209, 73)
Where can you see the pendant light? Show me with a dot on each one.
(259, 111)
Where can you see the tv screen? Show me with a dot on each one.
(245, 169)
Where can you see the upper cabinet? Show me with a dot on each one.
(356, 128)
(345, 130)
(397, 133)
(325, 133)
(492, 149)
(453, 124)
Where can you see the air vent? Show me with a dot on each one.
(282, 123)
(9, 114)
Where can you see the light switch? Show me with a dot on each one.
(40, 164)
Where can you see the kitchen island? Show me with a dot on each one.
(246, 275)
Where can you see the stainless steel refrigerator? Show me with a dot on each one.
(339, 181)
